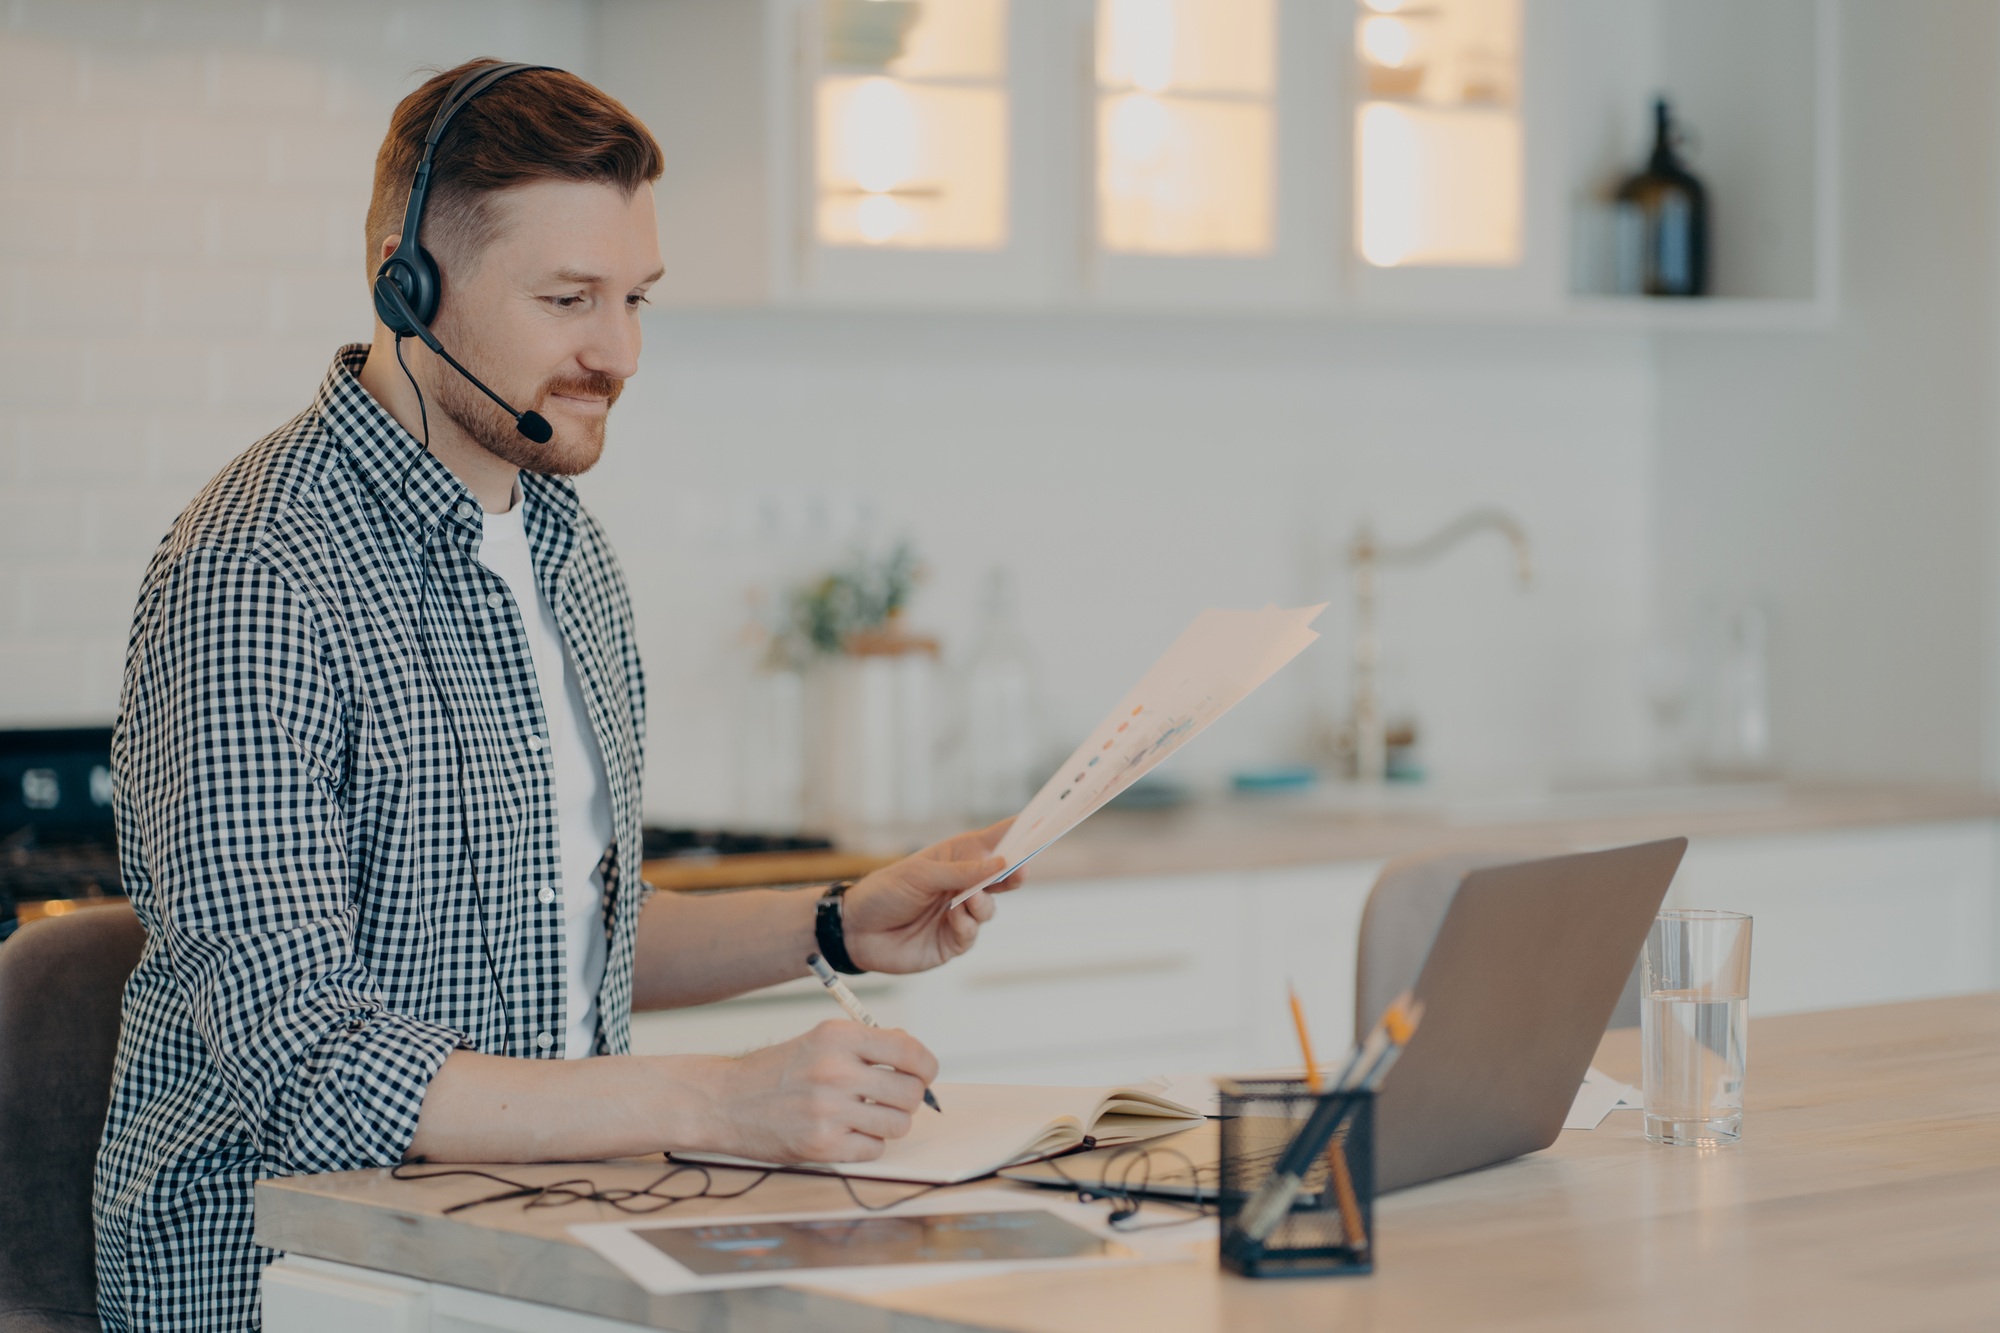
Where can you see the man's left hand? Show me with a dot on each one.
(899, 919)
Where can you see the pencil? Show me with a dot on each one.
(1343, 1192)
(1336, 1152)
(1305, 1039)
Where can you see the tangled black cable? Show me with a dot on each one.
(1128, 1193)
(643, 1201)
(1134, 1168)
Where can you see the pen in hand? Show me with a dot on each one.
(845, 999)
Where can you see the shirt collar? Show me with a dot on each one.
(553, 496)
(415, 487)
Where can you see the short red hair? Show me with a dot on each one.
(540, 124)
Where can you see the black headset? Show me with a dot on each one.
(408, 286)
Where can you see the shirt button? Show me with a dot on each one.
(543, 1041)
(464, 510)
(534, 742)
(495, 600)
(547, 895)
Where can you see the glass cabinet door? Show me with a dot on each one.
(913, 175)
(1197, 177)
(1165, 153)
(912, 118)
(1186, 126)
(1438, 152)
(1443, 180)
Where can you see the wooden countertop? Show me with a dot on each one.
(1865, 1194)
(1316, 829)
(1262, 832)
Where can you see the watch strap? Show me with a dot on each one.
(829, 929)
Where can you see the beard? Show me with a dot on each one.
(574, 448)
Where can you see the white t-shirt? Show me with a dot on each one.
(583, 799)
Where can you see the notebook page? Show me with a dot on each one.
(984, 1127)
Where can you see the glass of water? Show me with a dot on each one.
(1694, 1026)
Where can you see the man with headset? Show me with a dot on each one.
(378, 757)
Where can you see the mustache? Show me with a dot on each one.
(589, 385)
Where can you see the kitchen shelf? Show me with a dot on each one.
(1708, 314)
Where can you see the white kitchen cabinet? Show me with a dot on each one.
(761, 1017)
(1088, 981)
(1855, 916)
(1455, 124)
(834, 152)
(920, 180)
(1121, 976)
(1080, 981)
(1307, 934)
(1205, 132)
(1204, 155)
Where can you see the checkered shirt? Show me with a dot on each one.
(336, 807)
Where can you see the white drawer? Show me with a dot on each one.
(1855, 916)
(1092, 963)
(1307, 934)
(731, 1027)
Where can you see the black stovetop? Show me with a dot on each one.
(57, 838)
(56, 834)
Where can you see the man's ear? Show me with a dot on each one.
(388, 247)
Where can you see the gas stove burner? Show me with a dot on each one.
(60, 872)
(57, 839)
(706, 844)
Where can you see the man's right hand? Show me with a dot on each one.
(836, 1094)
(823, 1096)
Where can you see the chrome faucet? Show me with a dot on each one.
(1364, 558)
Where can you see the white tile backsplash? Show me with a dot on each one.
(182, 191)
(1130, 472)
(182, 250)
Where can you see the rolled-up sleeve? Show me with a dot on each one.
(232, 762)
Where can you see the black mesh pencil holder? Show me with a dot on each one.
(1330, 1225)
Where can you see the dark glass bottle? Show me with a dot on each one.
(1663, 216)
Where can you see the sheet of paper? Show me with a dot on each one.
(649, 1264)
(1207, 671)
(1599, 1096)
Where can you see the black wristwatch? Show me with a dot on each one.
(829, 931)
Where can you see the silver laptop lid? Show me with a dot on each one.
(1517, 988)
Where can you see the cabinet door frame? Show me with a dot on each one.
(1022, 272)
(1535, 285)
(1298, 273)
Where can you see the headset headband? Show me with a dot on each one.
(469, 85)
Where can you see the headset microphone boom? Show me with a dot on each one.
(408, 286)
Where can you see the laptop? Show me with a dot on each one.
(1519, 983)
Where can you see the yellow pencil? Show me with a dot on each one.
(1305, 1040)
(1336, 1152)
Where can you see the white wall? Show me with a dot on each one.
(1844, 476)
(1132, 471)
(182, 190)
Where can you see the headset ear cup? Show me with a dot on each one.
(415, 275)
(386, 307)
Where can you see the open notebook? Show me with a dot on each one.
(985, 1126)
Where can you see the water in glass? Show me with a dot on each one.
(1696, 1052)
